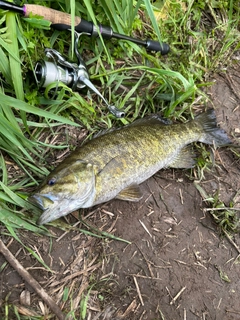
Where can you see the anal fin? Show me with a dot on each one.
(185, 159)
(131, 193)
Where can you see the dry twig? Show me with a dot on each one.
(31, 281)
(138, 291)
(177, 295)
(231, 241)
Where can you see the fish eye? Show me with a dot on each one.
(52, 181)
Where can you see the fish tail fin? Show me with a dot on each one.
(212, 134)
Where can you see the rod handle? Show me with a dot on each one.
(54, 16)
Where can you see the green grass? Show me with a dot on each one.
(133, 79)
(203, 37)
(225, 217)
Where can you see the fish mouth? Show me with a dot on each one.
(51, 205)
(54, 207)
(46, 217)
(43, 201)
(57, 206)
(57, 210)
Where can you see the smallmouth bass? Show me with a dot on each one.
(113, 165)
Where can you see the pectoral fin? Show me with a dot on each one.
(131, 193)
(184, 159)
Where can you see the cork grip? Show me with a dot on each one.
(56, 17)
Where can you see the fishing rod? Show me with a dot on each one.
(55, 68)
(62, 21)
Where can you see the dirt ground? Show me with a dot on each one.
(178, 265)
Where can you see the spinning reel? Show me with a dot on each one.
(55, 68)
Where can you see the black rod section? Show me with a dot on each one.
(11, 6)
(62, 21)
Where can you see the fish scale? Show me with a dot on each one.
(113, 164)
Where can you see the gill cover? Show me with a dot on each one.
(66, 190)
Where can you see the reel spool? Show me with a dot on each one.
(75, 76)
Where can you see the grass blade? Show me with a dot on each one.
(72, 6)
(152, 18)
(12, 220)
(4, 66)
(21, 105)
(15, 64)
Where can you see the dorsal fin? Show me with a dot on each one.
(152, 119)
(149, 120)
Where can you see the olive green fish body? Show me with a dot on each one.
(136, 154)
(114, 164)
